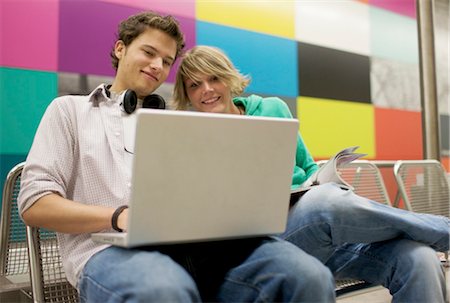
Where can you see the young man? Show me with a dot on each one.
(76, 181)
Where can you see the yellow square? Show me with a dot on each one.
(271, 17)
(328, 126)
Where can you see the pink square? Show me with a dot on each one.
(29, 34)
(403, 7)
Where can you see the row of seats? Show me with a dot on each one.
(33, 252)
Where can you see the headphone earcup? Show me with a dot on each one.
(129, 101)
(154, 101)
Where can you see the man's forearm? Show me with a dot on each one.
(62, 215)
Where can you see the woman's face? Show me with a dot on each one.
(209, 94)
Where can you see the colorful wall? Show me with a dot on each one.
(348, 69)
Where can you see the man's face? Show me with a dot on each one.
(144, 64)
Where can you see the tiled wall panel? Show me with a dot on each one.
(342, 25)
(89, 53)
(24, 97)
(271, 17)
(181, 8)
(394, 84)
(393, 36)
(270, 61)
(333, 74)
(403, 7)
(29, 34)
(328, 126)
(445, 133)
(398, 134)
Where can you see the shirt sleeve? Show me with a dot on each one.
(50, 161)
(305, 165)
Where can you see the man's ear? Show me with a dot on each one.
(119, 49)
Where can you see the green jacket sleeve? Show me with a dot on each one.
(304, 162)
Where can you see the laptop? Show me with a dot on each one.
(205, 176)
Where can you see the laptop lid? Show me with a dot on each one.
(204, 176)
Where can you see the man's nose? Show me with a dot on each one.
(156, 63)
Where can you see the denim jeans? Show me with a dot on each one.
(362, 239)
(246, 270)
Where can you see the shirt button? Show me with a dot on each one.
(129, 184)
(117, 134)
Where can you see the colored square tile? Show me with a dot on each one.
(342, 25)
(25, 95)
(445, 160)
(398, 134)
(395, 84)
(445, 134)
(271, 17)
(89, 54)
(184, 8)
(29, 34)
(328, 126)
(404, 7)
(393, 36)
(270, 61)
(332, 74)
(7, 162)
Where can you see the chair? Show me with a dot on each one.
(423, 186)
(48, 280)
(14, 267)
(366, 179)
(20, 259)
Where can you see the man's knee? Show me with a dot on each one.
(325, 201)
(423, 260)
(137, 276)
(302, 270)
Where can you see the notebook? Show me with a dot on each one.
(205, 176)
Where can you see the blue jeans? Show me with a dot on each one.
(362, 239)
(272, 271)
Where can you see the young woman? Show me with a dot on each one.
(352, 236)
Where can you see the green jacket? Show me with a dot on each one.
(275, 107)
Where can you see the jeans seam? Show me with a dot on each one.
(250, 285)
(101, 287)
(293, 232)
(374, 258)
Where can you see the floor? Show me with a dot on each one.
(378, 294)
(371, 295)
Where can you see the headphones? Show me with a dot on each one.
(129, 101)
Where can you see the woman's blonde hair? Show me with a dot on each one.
(211, 61)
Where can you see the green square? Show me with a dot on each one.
(24, 96)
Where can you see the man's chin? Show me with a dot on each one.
(144, 92)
